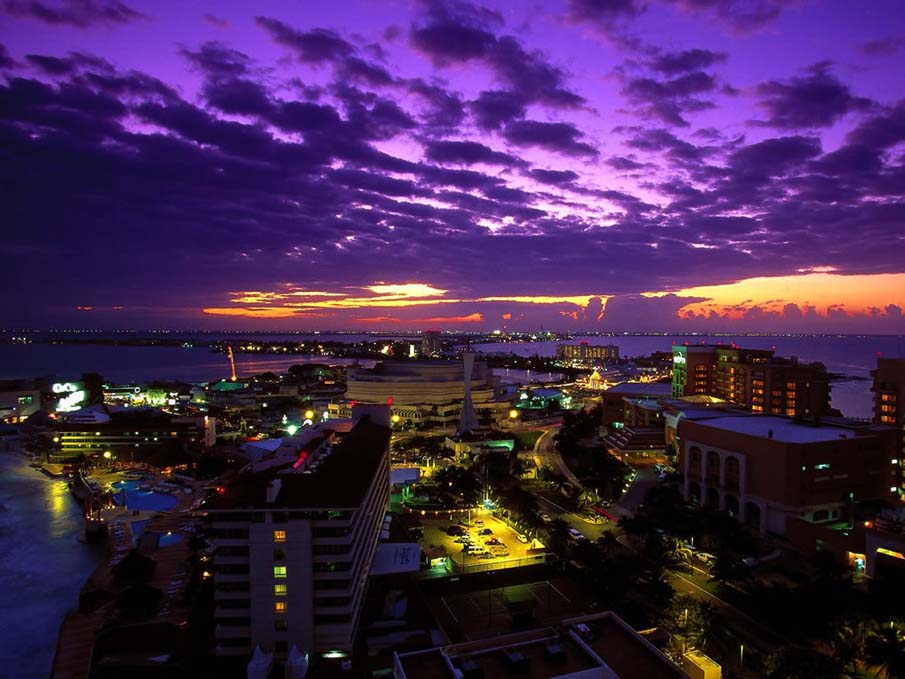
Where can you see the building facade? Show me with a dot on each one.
(585, 351)
(889, 403)
(430, 392)
(752, 378)
(295, 536)
(431, 346)
(766, 469)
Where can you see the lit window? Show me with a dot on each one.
(279, 590)
(279, 606)
(279, 571)
(279, 536)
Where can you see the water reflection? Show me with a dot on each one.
(43, 563)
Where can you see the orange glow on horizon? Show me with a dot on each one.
(857, 294)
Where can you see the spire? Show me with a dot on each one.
(469, 420)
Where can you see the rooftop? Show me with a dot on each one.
(642, 389)
(601, 643)
(340, 481)
(785, 430)
(625, 651)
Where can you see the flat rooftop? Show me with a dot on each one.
(624, 650)
(653, 389)
(534, 654)
(340, 481)
(601, 643)
(785, 430)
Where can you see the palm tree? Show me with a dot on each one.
(558, 537)
(886, 649)
(849, 643)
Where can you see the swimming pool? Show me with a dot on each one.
(146, 500)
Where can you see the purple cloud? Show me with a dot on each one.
(817, 99)
(558, 137)
(78, 13)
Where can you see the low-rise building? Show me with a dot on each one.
(765, 469)
(600, 646)
(428, 392)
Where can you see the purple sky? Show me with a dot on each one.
(731, 165)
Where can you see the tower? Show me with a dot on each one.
(469, 420)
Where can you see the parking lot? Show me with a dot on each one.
(500, 548)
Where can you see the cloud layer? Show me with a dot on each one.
(290, 170)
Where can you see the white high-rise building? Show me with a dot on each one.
(295, 535)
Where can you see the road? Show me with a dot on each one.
(545, 454)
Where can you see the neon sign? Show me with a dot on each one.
(65, 387)
(678, 359)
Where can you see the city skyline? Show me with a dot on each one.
(684, 165)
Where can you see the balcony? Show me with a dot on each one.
(223, 631)
(220, 612)
(231, 577)
(228, 594)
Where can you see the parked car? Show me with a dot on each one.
(485, 531)
(545, 518)
(521, 538)
(575, 534)
(479, 523)
(493, 541)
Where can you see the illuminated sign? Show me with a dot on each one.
(71, 401)
(65, 387)
(678, 359)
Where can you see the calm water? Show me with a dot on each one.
(140, 364)
(43, 564)
(847, 354)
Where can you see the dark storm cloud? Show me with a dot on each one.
(78, 13)
(817, 99)
(467, 152)
(559, 137)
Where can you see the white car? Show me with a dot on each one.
(521, 538)
(576, 534)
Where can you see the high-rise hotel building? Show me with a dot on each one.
(295, 535)
(753, 378)
(889, 404)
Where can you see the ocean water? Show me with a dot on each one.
(43, 564)
(850, 355)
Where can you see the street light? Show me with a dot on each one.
(309, 414)
(513, 414)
